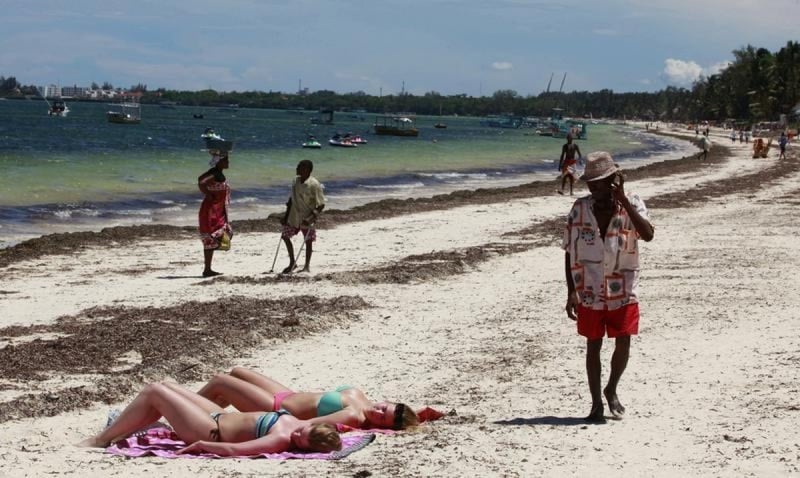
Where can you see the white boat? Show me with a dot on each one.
(355, 138)
(58, 108)
(126, 112)
(312, 143)
(339, 140)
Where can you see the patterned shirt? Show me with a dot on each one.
(605, 272)
(306, 197)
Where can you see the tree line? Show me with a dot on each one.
(757, 85)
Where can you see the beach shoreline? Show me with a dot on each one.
(476, 311)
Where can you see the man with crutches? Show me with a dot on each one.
(302, 211)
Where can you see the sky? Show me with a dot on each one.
(472, 47)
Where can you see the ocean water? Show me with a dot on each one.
(81, 172)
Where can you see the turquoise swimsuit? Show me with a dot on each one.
(265, 422)
(331, 402)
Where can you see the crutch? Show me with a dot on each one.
(301, 247)
(277, 249)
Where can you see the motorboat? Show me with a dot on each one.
(312, 143)
(341, 141)
(355, 138)
(58, 108)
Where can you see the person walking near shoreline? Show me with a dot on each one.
(302, 211)
(215, 229)
(782, 142)
(567, 164)
(705, 144)
(602, 273)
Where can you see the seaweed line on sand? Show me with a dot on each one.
(189, 339)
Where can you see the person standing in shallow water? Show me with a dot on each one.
(302, 211)
(567, 164)
(215, 229)
(602, 273)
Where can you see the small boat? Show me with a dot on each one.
(58, 108)
(126, 112)
(198, 116)
(396, 125)
(355, 138)
(439, 124)
(312, 143)
(341, 141)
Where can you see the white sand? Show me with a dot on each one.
(717, 356)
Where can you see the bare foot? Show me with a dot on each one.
(289, 269)
(560, 192)
(210, 273)
(614, 405)
(92, 442)
(305, 269)
(597, 415)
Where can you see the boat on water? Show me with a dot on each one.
(439, 124)
(125, 112)
(502, 121)
(58, 108)
(355, 138)
(198, 116)
(341, 141)
(396, 125)
(560, 127)
(312, 143)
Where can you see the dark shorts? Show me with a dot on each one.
(594, 324)
(309, 235)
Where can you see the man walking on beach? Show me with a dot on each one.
(302, 211)
(568, 163)
(602, 272)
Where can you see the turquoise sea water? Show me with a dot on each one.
(82, 173)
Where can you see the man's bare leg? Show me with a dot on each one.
(619, 360)
(593, 372)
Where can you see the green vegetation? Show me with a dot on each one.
(758, 85)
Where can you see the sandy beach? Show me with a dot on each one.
(455, 303)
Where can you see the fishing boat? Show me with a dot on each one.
(341, 141)
(396, 125)
(502, 121)
(125, 112)
(312, 143)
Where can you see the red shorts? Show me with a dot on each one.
(594, 324)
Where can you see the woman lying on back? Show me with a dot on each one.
(208, 428)
(248, 391)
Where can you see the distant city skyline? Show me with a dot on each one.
(449, 46)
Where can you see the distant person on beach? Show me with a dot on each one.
(782, 142)
(210, 429)
(215, 229)
(302, 211)
(705, 145)
(248, 390)
(602, 273)
(568, 164)
(733, 135)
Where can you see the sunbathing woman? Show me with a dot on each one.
(208, 428)
(248, 391)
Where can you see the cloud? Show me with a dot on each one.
(684, 73)
(502, 65)
(716, 68)
(645, 81)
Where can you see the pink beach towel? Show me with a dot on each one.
(163, 442)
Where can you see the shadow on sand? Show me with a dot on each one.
(549, 420)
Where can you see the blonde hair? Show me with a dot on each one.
(324, 438)
(406, 418)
